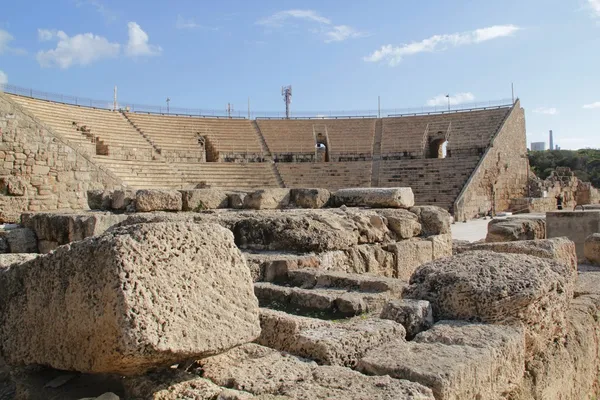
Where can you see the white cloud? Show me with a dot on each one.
(183, 23)
(595, 6)
(592, 106)
(5, 39)
(45, 35)
(81, 49)
(330, 32)
(342, 32)
(3, 78)
(455, 99)
(138, 42)
(546, 110)
(394, 54)
(278, 19)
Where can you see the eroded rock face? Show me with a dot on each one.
(123, 200)
(6, 260)
(401, 197)
(434, 220)
(103, 301)
(558, 249)
(20, 240)
(310, 198)
(591, 248)
(414, 315)
(267, 199)
(403, 223)
(518, 228)
(99, 199)
(410, 254)
(499, 289)
(158, 200)
(204, 199)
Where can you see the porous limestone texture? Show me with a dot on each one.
(414, 315)
(591, 248)
(123, 200)
(457, 360)
(399, 197)
(434, 220)
(331, 343)
(558, 249)
(441, 245)
(105, 304)
(274, 267)
(20, 240)
(310, 198)
(403, 223)
(409, 255)
(499, 288)
(260, 370)
(516, 228)
(53, 229)
(6, 260)
(267, 199)
(158, 200)
(204, 199)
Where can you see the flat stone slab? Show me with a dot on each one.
(330, 343)
(314, 278)
(517, 228)
(456, 360)
(499, 288)
(557, 249)
(204, 199)
(434, 220)
(158, 200)
(105, 304)
(267, 199)
(399, 197)
(260, 370)
(409, 255)
(310, 198)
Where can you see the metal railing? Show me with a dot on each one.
(214, 113)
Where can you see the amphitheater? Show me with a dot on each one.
(162, 256)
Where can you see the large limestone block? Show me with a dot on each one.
(434, 220)
(135, 298)
(330, 343)
(414, 315)
(260, 370)
(158, 200)
(458, 361)
(310, 198)
(403, 223)
(409, 255)
(399, 197)
(20, 240)
(123, 200)
(6, 260)
(517, 228)
(441, 245)
(267, 199)
(274, 267)
(99, 199)
(591, 248)
(204, 199)
(558, 249)
(499, 288)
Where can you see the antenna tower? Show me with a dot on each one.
(286, 92)
(115, 99)
(229, 109)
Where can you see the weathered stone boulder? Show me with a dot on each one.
(414, 315)
(236, 200)
(158, 200)
(55, 229)
(6, 260)
(261, 370)
(123, 200)
(403, 223)
(499, 288)
(557, 249)
(132, 299)
(591, 248)
(517, 228)
(409, 255)
(441, 245)
(204, 199)
(400, 197)
(310, 198)
(267, 199)
(434, 220)
(20, 240)
(274, 267)
(99, 199)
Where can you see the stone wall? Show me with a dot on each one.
(502, 173)
(576, 225)
(39, 170)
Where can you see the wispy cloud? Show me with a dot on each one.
(455, 99)
(107, 13)
(595, 7)
(592, 106)
(138, 43)
(329, 31)
(393, 55)
(3, 78)
(81, 49)
(189, 23)
(5, 39)
(546, 110)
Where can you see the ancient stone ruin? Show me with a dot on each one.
(290, 294)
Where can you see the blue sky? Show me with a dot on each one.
(338, 55)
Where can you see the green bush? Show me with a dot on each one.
(584, 163)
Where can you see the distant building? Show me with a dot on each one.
(538, 146)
